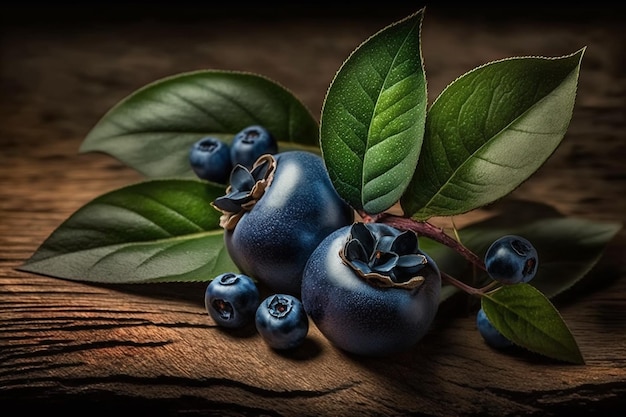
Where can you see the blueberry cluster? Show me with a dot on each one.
(275, 212)
(232, 301)
(212, 159)
(367, 286)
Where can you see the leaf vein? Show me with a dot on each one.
(197, 106)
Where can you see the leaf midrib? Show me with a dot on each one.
(188, 237)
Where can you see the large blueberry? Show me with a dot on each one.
(277, 213)
(370, 290)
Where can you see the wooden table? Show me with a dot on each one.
(71, 347)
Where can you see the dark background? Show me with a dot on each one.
(40, 10)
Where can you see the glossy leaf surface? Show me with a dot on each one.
(489, 131)
(159, 230)
(372, 121)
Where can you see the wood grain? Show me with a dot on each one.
(77, 348)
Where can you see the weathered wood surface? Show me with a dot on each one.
(67, 346)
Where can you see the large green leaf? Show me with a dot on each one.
(372, 122)
(489, 131)
(159, 230)
(525, 316)
(152, 129)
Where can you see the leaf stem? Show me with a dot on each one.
(489, 287)
(477, 292)
(423, 228)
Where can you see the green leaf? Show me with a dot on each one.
(152, 129)
(373, 117)
(159, 230)
(489, 131)
(526, 317)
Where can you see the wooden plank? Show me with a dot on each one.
(72, 347)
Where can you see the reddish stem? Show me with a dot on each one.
(431, 231)
(462, 286)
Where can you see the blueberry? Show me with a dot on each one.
(282, 322)
(210, 160)
(491, 335)
(511, 259)
(232, 299)
(250, 143)
(276, 214)
(370, 289)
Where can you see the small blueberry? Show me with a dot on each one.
(250, 143)
(210, 160)
(231, 300)
(511, 259)
(491, 335)
(282, 322)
